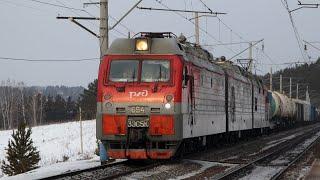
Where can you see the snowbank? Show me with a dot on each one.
(58, 142)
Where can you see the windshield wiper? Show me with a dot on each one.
(156, 84)
(160, 73)
(134, 75)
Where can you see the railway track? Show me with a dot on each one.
(289, 165)
(109, 171)
(77, 172)
(123, 168)
(245, 169)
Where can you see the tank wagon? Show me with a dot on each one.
(282, 109)
(285, 111)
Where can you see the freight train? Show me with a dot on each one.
(159, 95)
(286, 111)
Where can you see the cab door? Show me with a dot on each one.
(187, 107)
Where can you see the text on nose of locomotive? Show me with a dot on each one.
(142, 93)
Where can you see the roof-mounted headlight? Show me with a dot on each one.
(142, 45)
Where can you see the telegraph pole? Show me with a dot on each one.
(197, 34)
(290, 88)
(297, 91)
(250, 57)
(280, 83)
(196, 17)
(81, 141)
(307, 94)
(271, 79)
(104, 28)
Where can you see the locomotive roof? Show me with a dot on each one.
(158, 46)
(190, 52)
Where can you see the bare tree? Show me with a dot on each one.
(12, 103)
(21, 88)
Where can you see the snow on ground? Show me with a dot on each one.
(297, 150)
(278, 141)
(58, 142)
(167, 168)
(55, 169)
(262, 173)
(205, 165)
(304, 172)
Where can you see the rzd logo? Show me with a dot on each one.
(143, 93)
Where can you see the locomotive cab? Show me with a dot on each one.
(139, 97)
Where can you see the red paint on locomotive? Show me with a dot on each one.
(161, 125)
(143, 94)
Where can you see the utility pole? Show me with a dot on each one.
(197, 34)
(280, 83)
(41, 109)
(34, 98)
(290, 88)
(104, 28)
(81, 141)
(196, 17)
(297, 91)
(307, 94)
(271, 79)
(250, 57)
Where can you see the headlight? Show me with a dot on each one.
(167, 106)
(142, 45)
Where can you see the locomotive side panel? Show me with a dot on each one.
(259, 108)
(205, 96)
(239, 104)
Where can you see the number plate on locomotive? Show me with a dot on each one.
(137, 109)
(138, 123)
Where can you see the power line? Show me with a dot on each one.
(203, 30)
(297, 35)
(205, 6)
(48, 60)
(73, 9)
(56, 5)
(22, 5)
(312, 45)
(121, 24)
(237, 34)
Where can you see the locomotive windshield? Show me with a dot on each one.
(124, 71)
(155, 71)
(151, 70)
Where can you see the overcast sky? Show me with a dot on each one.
(30, 30)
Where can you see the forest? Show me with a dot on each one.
(305, 75)
(38, 106)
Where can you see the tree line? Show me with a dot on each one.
(306, 75)
(20, 104)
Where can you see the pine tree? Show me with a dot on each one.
(71, 109)
(48, 109)
(21, 156)
(88, 100)
(59, 108)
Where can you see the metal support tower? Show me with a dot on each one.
(104, 28)
(271, 79)
(197, 34)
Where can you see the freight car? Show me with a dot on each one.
(285, 111)
(159, 95)
(282, 109)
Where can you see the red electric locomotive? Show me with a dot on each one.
(139, 95)
(158, 93)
